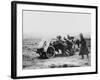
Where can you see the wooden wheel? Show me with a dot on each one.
(66, 53)
(72, 52)
(50, 52)
(69, 52)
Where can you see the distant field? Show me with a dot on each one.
(30, 44)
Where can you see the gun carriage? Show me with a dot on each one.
(49, 49)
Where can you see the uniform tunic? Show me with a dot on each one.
(84, 48)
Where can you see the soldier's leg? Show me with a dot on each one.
(87, 56)
(82, 56)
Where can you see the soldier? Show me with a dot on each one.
(83, 48)
(69, 43)
(77, 42)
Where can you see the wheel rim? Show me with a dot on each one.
(50, 52)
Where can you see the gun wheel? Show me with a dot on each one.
(50, 52)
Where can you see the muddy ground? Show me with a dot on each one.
(33, 61)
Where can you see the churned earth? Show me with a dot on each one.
(33, 61)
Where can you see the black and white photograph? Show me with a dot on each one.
(55, 39)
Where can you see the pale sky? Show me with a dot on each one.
(50, 24)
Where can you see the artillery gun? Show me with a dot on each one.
(48, 48)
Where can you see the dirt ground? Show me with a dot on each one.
(31, 60)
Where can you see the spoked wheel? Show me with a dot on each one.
(66, 53)
(72, 52)
(50, 52)
(69, 52)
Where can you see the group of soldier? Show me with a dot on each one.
(68, 44)
(81, 44)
